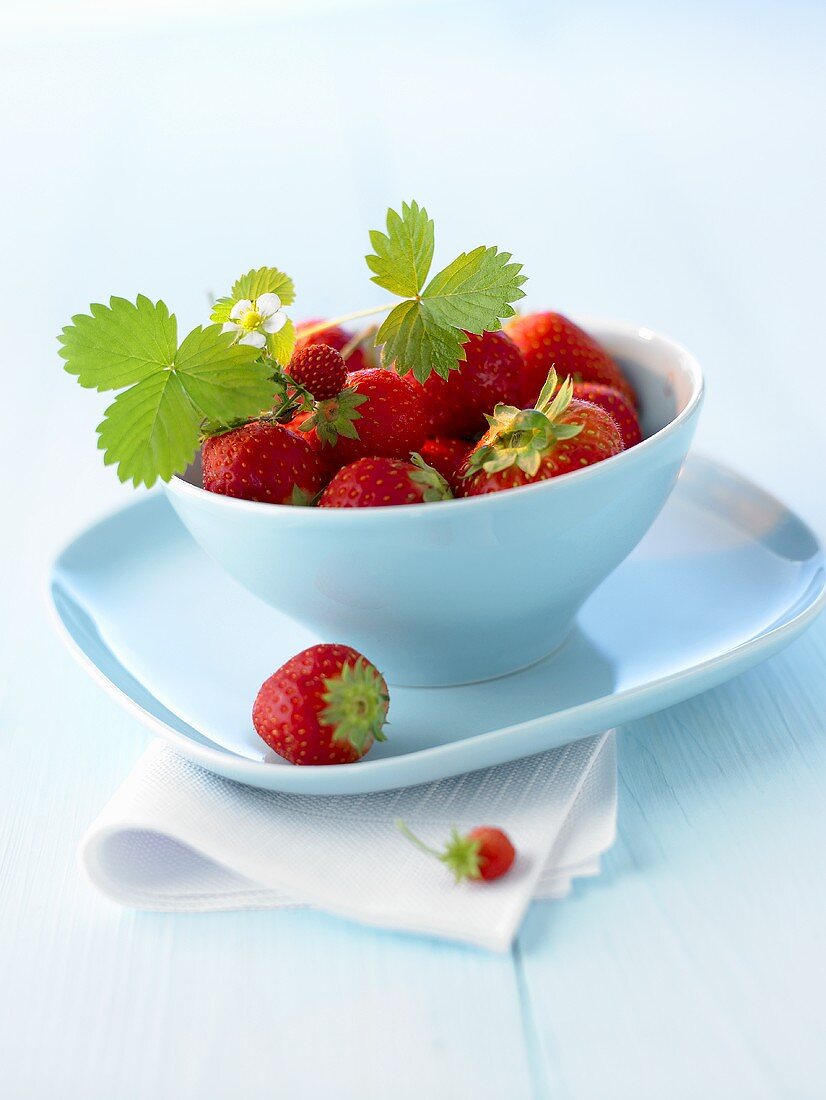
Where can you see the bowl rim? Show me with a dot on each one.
(689, 364)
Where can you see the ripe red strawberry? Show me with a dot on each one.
(483, 853)
(378, 415)
(263, 461)
(378, 482)
(326, 705)
(319, 369)
(526, 445)
(335, 337)
(550, 340)
(617, 406)
(446, 455)
(493, 372)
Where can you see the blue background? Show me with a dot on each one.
(665, 165)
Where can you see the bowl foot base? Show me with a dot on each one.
(467, 664)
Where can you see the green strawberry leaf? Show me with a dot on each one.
(475, 291)
(224, 380)
(152, 428)
(281, 344)
(264, 280)
(119, 344)
(472, 294)
(404, 254)
(412, 342)
(221, 309)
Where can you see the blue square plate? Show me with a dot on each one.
(726, 577)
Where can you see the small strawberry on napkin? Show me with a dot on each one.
(177, 838)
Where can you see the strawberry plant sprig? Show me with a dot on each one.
(153, 427)
(427, 330)
(234, 370)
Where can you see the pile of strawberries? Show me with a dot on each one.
(535, 400)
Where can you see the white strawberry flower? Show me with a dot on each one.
(255, 319)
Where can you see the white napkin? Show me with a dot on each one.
(175, 837)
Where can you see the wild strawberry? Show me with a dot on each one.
(616, 405)
(319, 369)
(492, 372)
(550, 340)
(446, 455)
(377, 482)
(263, 461)
(326, 705)
(335, 337)
(483, 853)
(526, 445)
(378, 415)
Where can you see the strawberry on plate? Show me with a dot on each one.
(379, 482)
(326, 705)
(616, 405)
(557, 437)
(265, 462)
(492, 372)
(447, 455)
(377, 415)
(550, 340)
(335, 337)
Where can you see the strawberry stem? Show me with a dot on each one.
(313, 330)
(358, 340)
(405, 831)
(461, 854)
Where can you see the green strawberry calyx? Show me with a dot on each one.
(435, 486)
(356, 705)
(336, 417)
(300, 497)
(522, 437)
(461, 854)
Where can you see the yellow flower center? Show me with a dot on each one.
(250, 320)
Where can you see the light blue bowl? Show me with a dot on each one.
(464, 590)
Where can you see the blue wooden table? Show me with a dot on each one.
(666, 166)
